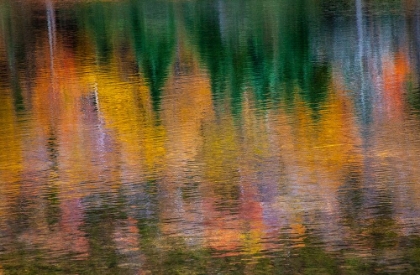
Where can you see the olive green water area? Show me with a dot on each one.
(209, 137)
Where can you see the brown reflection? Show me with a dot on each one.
(126, 238)
(186, 110)
(11, 156)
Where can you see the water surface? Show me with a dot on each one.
(209, 137)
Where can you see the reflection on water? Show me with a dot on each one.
(209, 137)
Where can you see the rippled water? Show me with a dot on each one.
(209, 137)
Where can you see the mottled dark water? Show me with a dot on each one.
(209, 137)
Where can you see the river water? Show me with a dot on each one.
(209, 137)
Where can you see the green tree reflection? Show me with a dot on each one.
(268, 55)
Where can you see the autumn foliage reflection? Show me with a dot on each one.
(208, 136)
